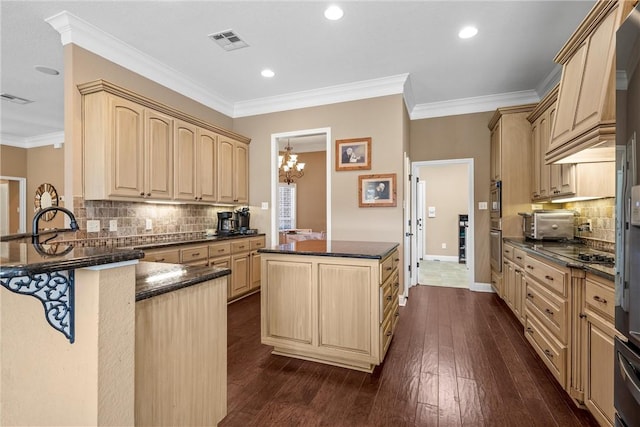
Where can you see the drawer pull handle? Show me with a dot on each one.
(548, 354)
(530, 267)
(530, 331)
(397, 313)
(506, 251)
(195, 254)
(397, 284)
(142, 194)
(220, 250)
(388, 333)
(518, 257)
(389, 298)
(517, 270)
(597, 298)
(549, 278)
(582, 316)
(389, 268)
(159, 259)
(397, 259)
(549, 312)
(529, 295)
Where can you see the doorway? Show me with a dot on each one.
(442, 191)
(13, 191)
(302, 141)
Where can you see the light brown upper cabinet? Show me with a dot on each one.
(233, 170)
(585, 119)
(137, 148)
(547, 181)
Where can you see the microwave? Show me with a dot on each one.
(548, 224)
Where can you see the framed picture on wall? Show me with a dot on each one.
(377, 190)
(353, 154)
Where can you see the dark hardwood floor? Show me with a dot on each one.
(458, 358)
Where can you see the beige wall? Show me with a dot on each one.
(311, 192)
(457, 137)
(13, 161)
(446, 188)
(45, 165)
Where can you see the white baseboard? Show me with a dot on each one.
(481, 287)
(445, 258)
(402, 300)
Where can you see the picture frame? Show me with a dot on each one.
(377, 190)
(353, 154)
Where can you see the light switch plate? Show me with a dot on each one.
(265, 205)
(482, 206)
(431, 211)
(113, 225)
(93, 226)
(148, 224)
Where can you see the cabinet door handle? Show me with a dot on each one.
(548, 354)
(597, 298)
(549, 312)
(549, 278)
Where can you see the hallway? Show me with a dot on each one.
(458, 358)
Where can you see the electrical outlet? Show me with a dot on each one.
(113, 225)
(93, 226)
(148, 224)
(589, 226)
(265, 205)
(444, 246)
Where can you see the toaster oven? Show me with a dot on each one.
(548, 224)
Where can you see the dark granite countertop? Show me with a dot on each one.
(552, 251)
(23, 259)
(204, 239)
(334, 248)
(154, 278)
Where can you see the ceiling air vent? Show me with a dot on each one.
(14, 99)
(228, 40)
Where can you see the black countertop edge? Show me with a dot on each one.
(154, 278)
(204, 239)
(294, 249)
(111, 257)
(607, 273)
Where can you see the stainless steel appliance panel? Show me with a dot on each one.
(496, 199)
(627, 384)
(495, 241)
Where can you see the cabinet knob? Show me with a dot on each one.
(397, 313)
(142, 194)
(549, 278)
(548, 354)
(389, 298)
(388, 334)
(530, 331)
(519, 257)
(582, 316)
(530, 267)
(529, 295)
(148, 194)
(549, 312)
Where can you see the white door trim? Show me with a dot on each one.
(22, 184)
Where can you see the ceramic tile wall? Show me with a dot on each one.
(167, 219)
(601, 212)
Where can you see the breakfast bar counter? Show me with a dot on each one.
(333, 302)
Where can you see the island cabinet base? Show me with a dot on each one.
(336, 310)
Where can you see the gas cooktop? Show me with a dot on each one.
(582, 254)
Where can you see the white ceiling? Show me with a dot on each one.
(378, 48)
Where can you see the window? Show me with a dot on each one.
(287, 208)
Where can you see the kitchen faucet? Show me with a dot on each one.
(36, 218)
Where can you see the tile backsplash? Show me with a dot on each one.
(131, 218)
(601, 212)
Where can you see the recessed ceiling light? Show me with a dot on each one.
(467, 32)
(333, 13)
(267, 73)
(47, 70)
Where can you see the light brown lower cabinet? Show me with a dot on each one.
(240, 255)
(181, 356)
(599, 369)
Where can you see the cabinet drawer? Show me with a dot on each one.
(172, 257)
(219, 249)
(552, 352)
(257, 243)
(194, 254)
(240, 245)
(550, 309)
(600, 297)
(519, 256)
(396, 259)
(386, 293)
(551, 277)
(386, 331)
(507, 252)
(386, 267)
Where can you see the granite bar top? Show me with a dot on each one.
(334, 248)
(203, 239)
(549, 250)
(23, 259)
(154, 278)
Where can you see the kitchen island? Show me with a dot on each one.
(334, 302)
(69, 334)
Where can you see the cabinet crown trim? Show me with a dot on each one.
(106, 86)
(509, 110)
(543, 105)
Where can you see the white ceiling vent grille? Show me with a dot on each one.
(228, 40)
(14, 99)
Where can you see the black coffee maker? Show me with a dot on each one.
(242, 220)
(225, 223)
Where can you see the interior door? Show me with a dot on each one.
(410, 271)
(420, 231)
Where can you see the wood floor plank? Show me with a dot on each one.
(457, 358)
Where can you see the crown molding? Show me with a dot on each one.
(548, 83)
(409, 100)
(473, 105)
(54, 138)
(79, 32)
(365, 89)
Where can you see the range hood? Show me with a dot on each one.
(584, 126)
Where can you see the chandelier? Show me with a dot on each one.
(290, 169)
